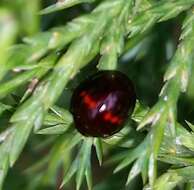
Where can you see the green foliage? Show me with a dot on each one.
(41, 64)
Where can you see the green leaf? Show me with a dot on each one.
(183, 59)
(65, 115)
(190, 125)
(167, 181)
(69, 174)
(8, 32)
(5, 134)
(187, 173)
(132, 155)
(159, 11)
(57, 116)
(60, 36)
(24, 57)
(60, 5)
(111, 47)
(88, 174)
(81, 165)
(156, 138)
(128, 137)
(176, 160)
(60, 152)
(55, 130)
(144, 169)
(186, 139)
(84, 160)
(4, 166)
(99, 149)
(4, 107)
(20, 135)
(51, 119)
(4, 157)
(135, 170)
(153, 115)
(27, 111)
(8, 87)
(39, 120)
(59, 119)
(139, 112)
(29, 16)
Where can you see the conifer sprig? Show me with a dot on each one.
(163, 114)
